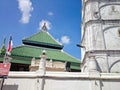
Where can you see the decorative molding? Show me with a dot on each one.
(64, 75)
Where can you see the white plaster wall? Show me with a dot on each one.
(114, 63)
(50, 81)
(106, 61)
(105, 10)
(110, 84)
(101, 26)
(88, 12)
(66, 84)
(20, 84)
(61, 81)
(102, 63)
(112, 38)
(94, 37)
(110, 12)
(102, 37)
(91, 11)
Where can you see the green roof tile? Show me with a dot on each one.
(17, 60)
(26, 60)
(24, 54)
(42, 38)
(31, 51)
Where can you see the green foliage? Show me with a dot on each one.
(3, 50)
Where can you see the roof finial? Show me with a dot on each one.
(44, 28)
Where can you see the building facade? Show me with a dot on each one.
(99, 56)
(27, 57)
(101, 36)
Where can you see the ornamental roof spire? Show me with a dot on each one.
(44, 28)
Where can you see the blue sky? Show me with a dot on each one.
(23, 18)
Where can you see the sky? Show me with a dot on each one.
(23, 18)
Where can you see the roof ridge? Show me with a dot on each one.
(53, 38)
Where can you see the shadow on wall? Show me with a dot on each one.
(10, 87)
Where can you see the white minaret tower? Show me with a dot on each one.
(100, 42)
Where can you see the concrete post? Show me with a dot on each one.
(42, 65)
(92, 64)
(33, 62)
(42, 71)
(93, 72)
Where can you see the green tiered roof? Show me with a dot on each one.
(34, 45)
(25, 52)
(54, 54)
(43, 39)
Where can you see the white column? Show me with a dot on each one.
(33, 62)
(92, 64)
(42, 70)
(42, 65)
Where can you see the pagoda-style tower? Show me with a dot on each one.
(27, 56)
(100, 36)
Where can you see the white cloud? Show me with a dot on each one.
(26, 8)
(48, 24)
(65, 40)
(50, 13)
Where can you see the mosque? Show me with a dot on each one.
(100, 62)
(27, 56)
